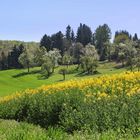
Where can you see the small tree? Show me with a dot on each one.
(131, 53)
(40, 52)
(89, 59)
(26, 59)
(55, 57)
(67, 59)
(63, 71)
(122, 57)
(47, 66)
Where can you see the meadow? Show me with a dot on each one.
(102, 106)
(19, 80)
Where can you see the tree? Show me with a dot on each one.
(131, 53)
(77, 52)
(122, 53)
(72, 36)
(137, 60)
(26, 59)
(46, 42)
(110, 50)
(3, 61)
(38, 58)
(102, 35)
(63, 71)
(55, 57)
(68, 33)
(67, 59)
(57, 42)
(89, 59)
(135, 38)
(47, 66)
(84, 34)
(122, 37)
(14, 55)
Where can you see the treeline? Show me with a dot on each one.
(10, 52)
(84, 48)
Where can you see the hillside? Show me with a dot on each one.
(17, 80)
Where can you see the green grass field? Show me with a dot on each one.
(18, 80)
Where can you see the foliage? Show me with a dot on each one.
(89, 59)
(26, 58)
(99, 105)
(84, 34)
(122, 37)
(47, 67)
(102, 35)
(12, 130)
(67, 59)
(46, 42)
(63, 71)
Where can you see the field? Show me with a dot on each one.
(18, 80)
(99, 107)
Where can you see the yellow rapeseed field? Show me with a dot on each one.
(104, 86)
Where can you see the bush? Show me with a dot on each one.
(73, 111)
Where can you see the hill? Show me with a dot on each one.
(18, 79)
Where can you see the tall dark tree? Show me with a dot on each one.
(72, 36)
(102, 35)
(3, 61)
(57, 42)
(68, 32)
(135, 38)
(84, 34)
(14, 55)
(46, 42)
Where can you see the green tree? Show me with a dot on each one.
(135, 38)
(67, 59)
(131, 53)
(63, 71)
(47, 66)
(68, 33)
(40, 52)
(72, 36)
(77, 52)
(26, 59)
(14, 55)
(57, 42)
(89, 59)
(3, 61)
(122, 37)
(102, 35)
(46, 42)
(84, 34)
(55, 57)
(110, 50)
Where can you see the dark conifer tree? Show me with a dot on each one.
(68, 33)
(135, 38)
(72, 36)
(46, 42)
(84, 34)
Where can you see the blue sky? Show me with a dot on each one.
(29, 20)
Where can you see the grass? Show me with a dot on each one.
(18, 80)
(12, 130)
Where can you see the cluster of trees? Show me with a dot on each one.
(10, 52)
(84, 48)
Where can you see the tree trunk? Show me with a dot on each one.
(64, 76)
(28, 69)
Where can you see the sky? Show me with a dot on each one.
(29, 20)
